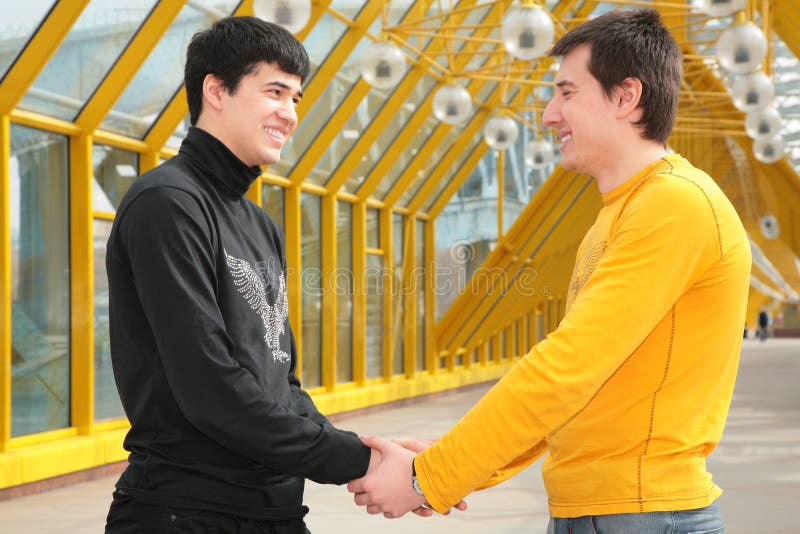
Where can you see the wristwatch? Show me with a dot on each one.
(414, 481)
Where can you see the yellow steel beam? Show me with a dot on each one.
(409, 296)
(388, 111)
(458, 180)
(412, 127)
(81, 284)
(128, 63)
(501, 193)
(178, 107)
(430, 295)
(38, 51)
(5, 282)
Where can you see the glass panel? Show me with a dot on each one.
(374, 279)
(162, 72)
(373, 229)
(91, 47)
(451, 172)
(40, 312)
(420, 288)
(114, 172)
(180, 132)
(106, 399)
(18, 27)
(311, 282)
(344, 292)
(320, 43)
(405, 158)
(272, 201)
(385, 139)
(398, 293)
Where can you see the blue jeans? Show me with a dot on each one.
(706, 520)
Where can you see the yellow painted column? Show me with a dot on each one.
(410, 297)
(294, 258)
(431, 361)
(329, 318)
(5, 282)
(359, 293)
(501, 193)
(81, 283)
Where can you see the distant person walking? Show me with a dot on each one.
(763, 323)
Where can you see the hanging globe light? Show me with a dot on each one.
(527, 31)
(769, 226)
(539, 154)
(383, 65)
(742, 48)
(769, 150)
(500, 132)
(752, 91)
(721, 8)
(763, 123)
(452, 103)
(291, 14)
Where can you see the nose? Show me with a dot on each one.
(552, 114)
(288, 113)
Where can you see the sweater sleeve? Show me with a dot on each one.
(170, 244)
(663, 240)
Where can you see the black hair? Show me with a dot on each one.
(231, 48)
(634, 43)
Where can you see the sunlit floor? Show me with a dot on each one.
(757, 464)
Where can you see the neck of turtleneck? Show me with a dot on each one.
(217, 163)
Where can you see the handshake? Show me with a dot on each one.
(387, 486)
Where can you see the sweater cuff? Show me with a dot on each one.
(425, 481)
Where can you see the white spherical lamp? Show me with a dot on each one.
(769, 226)
(500, 132)
(763, 123)
(752, 91)
(527, 31)
(383, 65)
(721, 8)
(539, 154)
(291, 14)
(741, 48)
(769, 150)
(452, 103)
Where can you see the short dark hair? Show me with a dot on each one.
(634, 43)
(231, 48)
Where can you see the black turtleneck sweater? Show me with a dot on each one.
(203, 354)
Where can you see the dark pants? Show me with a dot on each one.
(129, 516)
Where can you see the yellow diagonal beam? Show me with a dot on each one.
(390, 108)
(128, 64)
(38, 52)
(458, 180)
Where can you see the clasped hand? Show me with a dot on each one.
(386, 488)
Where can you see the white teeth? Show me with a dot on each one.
(566, 138)
(275, 133)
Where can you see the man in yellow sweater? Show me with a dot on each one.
(630, 393)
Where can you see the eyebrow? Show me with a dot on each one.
(564, 84)
(284, 86)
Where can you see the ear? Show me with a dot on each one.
(627, 97)
(213, 90)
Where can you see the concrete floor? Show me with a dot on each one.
(757, 464)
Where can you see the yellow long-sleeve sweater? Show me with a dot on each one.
(630, 393)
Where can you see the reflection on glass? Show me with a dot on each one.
(374, 278)
(17, 27)
(114, 172)
(420, 288)
(85, 56)
(39, 209)
(106, 399)
(311, 286)
(272, 200)
(344, 292)
(161, 74)
(398, 292)
(373, 228)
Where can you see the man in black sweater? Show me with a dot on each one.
(222, 435)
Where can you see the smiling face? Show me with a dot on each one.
(257, 118)
(583, 116)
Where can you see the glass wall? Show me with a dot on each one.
(311, 280)
(344, 292)
(375, 286)
(398, 293)
(40, 271)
